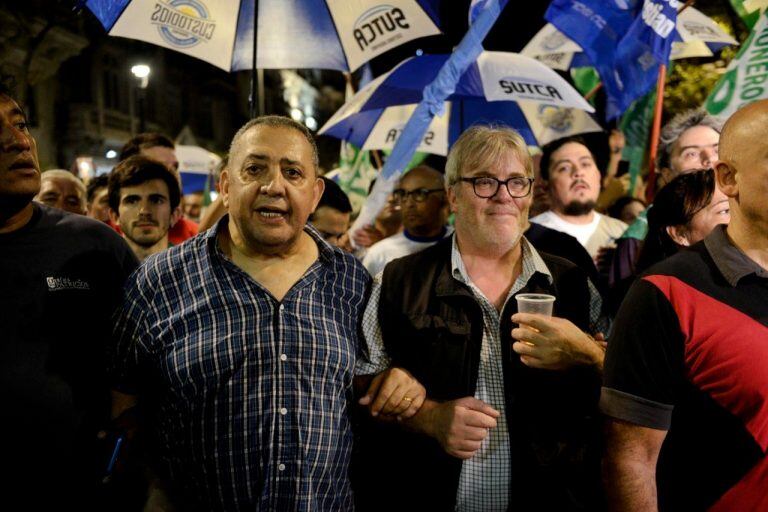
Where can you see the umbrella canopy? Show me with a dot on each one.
(499, 87)
(196, 165)
(292, 34)
(698, 34)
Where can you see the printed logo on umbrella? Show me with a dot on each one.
(556, 118)
(528, 89)
(394, 132)
(183, 23)
(379, 26)
(554, 41)
(699, 29)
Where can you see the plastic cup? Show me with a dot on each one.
(539, 303)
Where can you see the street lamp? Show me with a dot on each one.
(141, 72)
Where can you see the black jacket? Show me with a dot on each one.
(433, 326)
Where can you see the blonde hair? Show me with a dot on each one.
(484, 146)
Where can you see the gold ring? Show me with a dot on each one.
(407, 399)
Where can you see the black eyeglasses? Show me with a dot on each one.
(486, 186)
(419, 195)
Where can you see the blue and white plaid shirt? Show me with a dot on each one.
(251, 394)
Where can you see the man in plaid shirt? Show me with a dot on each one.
(241, 343)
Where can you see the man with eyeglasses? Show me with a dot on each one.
(424, 210)
(510, 416)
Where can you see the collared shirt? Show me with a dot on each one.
(484, 480)
(250, 394)
(730, 261)
(688, 354)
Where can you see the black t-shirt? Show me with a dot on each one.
(61, 278)
(689, 354)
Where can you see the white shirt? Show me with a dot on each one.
(601, 231)
(396, 246)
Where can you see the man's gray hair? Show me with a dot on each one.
(278, 122)
(676, 127)
(484, 146)
(66, 175)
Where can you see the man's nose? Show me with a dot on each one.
(708, 156)
(273, 183)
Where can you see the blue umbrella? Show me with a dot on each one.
(499, 87)
(292, 34)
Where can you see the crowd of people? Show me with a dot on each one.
(253, 355)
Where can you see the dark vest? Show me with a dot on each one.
(433, 326)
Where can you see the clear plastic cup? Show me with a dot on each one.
(539, 303)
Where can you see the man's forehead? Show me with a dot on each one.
(154, 186)
(571, 150)
(8, 106)
(697, 136)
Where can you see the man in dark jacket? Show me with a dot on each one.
(511, 398)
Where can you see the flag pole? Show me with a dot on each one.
(257, 76)
(650, 189)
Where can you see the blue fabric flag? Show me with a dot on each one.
(443, 86)
(626, 41)
(485, 14)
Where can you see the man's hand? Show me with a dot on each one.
(367, 236)
(460, 426)
(553, 343)
(616, 142)
(394, 392)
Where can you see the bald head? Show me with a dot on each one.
(426, 176)
(742, 174)
(745, 134)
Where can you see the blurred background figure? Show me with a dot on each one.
(684, 212)
(627, 209)
(388, 222)
(97, 198)
(63, 190)
(423, 205)
(332, 215)
(192, 205)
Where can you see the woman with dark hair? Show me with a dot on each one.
(684, 212)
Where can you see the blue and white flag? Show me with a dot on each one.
(626, 40)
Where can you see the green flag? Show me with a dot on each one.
(746, 79)
(749, 18)
(585, 79)
(636, 126)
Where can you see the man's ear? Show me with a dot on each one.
(665, 176)
(114, 217)
(319, 189)
(224, 187)
(678, 234)
(725, 176)
(175, 216)
(450, 194)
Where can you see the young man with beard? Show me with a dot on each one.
(161, 148)
(573, 180)
(143, 200)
